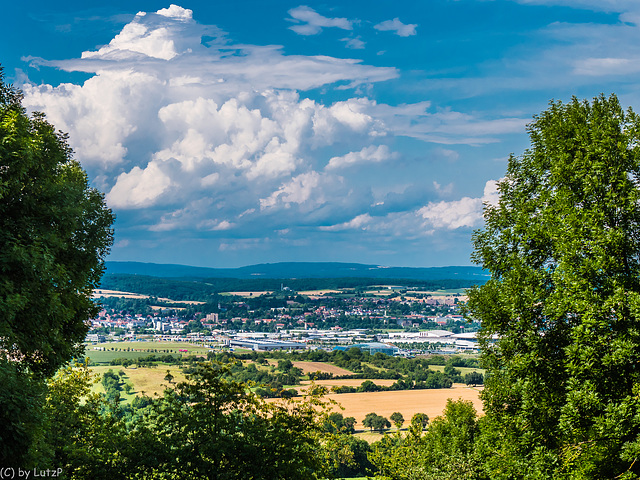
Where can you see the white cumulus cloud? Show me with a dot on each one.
(370, 154)
(395, 25)
(310, 22)
(187, 131)
(139, 187)
(466, 212)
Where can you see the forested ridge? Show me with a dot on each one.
(201, 289)
(299, 270)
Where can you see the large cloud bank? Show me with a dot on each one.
(187, 132)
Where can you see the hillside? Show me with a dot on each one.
(288, 270)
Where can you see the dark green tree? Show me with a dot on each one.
(397, 419)
(445, 452)
(213, 428)
(561, 314)
(346, 456)
(368, 420)
(474, 378)
(54, 234)
(376, 422)
(380, 423)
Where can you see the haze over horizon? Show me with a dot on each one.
(226, 135)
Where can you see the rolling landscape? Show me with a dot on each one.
(335, 284)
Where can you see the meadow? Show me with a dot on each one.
(106, 352)
(144, 381)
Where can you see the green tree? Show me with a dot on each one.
(54, 234)
(418, 423)
(376, 422)
(285, 365)
(349, 424)
(445, 452)
(380, 423)
(213, 428)
(368, 386)
(562, 396)
(346, 456)
(336, 423)
(368, 420)
(21, 416)
(474, 378)
(397, 419)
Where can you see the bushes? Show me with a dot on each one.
(203, 426)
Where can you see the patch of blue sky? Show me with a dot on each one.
(227, 133)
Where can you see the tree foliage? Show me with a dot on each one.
(397, 419)
(54, 234)
(376, 422)
(561, 313)
(207, 427)
(445, 451)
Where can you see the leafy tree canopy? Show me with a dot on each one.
(561, 314)
(54, 234)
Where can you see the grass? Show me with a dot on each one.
(146, 380)
(373, 367)
(140, 349)
(463, 370)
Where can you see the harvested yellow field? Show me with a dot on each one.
(347, 383)
(151, 380)
(148, 380)
(248, 294)
(407, 402)
(318, 292)
(307, 367)
(381, 293)
(116, 293)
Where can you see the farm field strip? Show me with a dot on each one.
(117, 293)
(347, 382)
(154, 345)
(140, 349)
(248, 293)
(408, 402)
(319, 292)
(463, 370)
(308, 367)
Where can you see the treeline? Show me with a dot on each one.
(153, 360)
(409, 373)
(202, 289)
(431, 380)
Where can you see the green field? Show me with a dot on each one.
(463, 370)
(135, 350)
(147, 381)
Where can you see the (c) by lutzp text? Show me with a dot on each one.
(10, 473)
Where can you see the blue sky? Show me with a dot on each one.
(231, 133)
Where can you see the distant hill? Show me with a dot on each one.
(287, 270)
